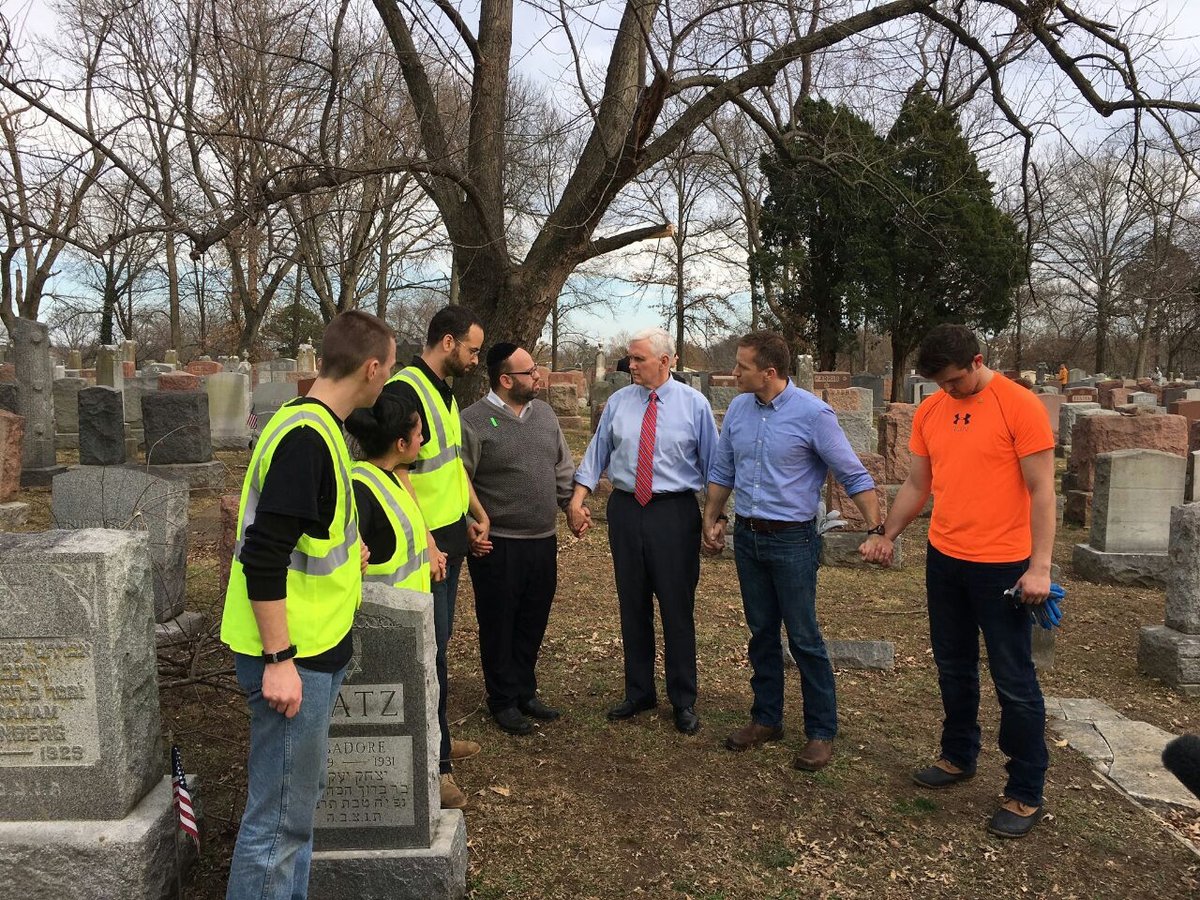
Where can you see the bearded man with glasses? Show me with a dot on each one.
(518, 461)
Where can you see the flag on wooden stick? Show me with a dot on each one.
(183, 798)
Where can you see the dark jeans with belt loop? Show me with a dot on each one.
(966, 598)
(777, 571)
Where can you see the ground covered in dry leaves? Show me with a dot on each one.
(585, 808)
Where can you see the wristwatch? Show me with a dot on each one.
(878, 529)
(280, 655)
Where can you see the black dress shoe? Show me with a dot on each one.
(511, 720)
(538, 710)
(686, 720)
(627, 709)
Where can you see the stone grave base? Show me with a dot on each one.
(236, 441)
(206, 476)
(840, 550)
(99, 860)
(877, 655)
(1170, 656)
(181, 629)
(13, 515)
(1098, 567)
(41, 477)
(68, 441)
(573, 423)
(439, 873)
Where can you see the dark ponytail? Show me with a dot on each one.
(377, 428)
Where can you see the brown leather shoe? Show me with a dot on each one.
(463, 749)
(751, 736)
(815, 756)
(452, 795)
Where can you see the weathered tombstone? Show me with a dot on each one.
(837, 498)
(31, 354)
(85, 805)
(13, 513)
(895, 431)
(874, 383)
(1189, 409)
(1097, 434)
(178, 438)
(1143, 398)
(129, 352)
(177, 429)
(618, 379)
(1052, 403)
(1171, 652)
(1068, 413)
(564, 399)
(66, 412)
(101, 427)
(1075, 375)
(380, 829)
(228, 408)
(179, 381)
(306, 359)
(804, 372)
(823, 381)
(109, 370)
(75, 360)
(923, 389)
(1130, 517)
(1081, 395)
(128, 499)
(172, 357)
(157, 368)
(204, 366)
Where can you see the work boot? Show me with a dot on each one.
(452, 795)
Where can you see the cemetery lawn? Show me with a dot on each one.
(585, 808)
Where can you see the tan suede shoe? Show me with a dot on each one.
(452, 795)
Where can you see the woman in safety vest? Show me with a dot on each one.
(403, 553)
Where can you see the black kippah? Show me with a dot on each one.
(498, 353)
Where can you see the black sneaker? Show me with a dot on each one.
(511, 720)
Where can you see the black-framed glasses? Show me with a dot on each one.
(532, 373)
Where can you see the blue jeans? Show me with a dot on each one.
(966, 598)
(445, 593)
(286, 777)
(778, 577)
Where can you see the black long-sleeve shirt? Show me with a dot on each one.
(299, 496)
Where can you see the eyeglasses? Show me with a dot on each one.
(532, 373)
(473, 351)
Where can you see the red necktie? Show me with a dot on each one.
(643, 488)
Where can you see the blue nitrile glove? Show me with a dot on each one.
(1048, 613)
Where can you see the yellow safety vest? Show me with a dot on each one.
(324, 578)
(438, 476)
(408, 566)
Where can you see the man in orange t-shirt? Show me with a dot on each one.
(984, 446)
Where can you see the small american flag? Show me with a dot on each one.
(183, 798)
(252, 420)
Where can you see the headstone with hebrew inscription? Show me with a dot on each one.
(380, 830)
(85, 800)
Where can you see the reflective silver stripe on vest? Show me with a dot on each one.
(419, 557)
(301, 562)
(446, 453)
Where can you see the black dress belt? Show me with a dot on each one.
(661, 495)
(769, 526)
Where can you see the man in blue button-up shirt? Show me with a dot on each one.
(655, 534)
(777, 445)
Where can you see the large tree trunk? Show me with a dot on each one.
(900, 351)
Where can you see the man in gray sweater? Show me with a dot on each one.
(518, 461)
